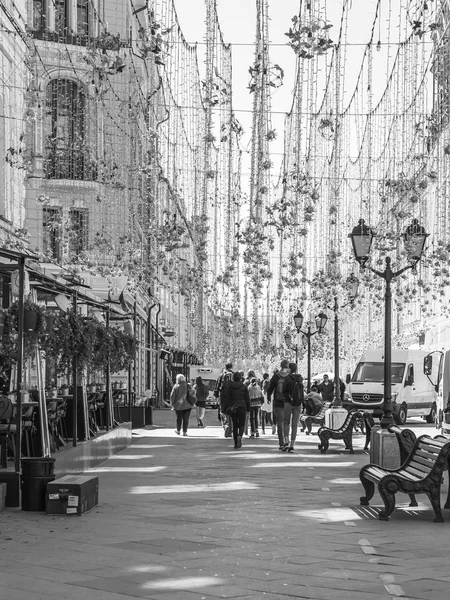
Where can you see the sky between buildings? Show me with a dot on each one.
(238, 23)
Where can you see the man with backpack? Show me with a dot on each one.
(276, 389)
(293, 395)
(221, 391)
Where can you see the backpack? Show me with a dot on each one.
(223, 382)
(254, 392)
(191, 396)
(279, 388)
(297, 393)
(224, 389)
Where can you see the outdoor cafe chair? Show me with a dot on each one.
(7, 429)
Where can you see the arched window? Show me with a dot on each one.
(65, 130)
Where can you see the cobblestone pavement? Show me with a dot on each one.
(190, 518)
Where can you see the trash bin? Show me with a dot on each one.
(36, 473)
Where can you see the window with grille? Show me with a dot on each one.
(65, 112)
(78, 231)
(38, 18)
(82, 17)
(51, 232)
(60, 17)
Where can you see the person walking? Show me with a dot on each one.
(326, 388)
(275, 389)
(221, 393)
(238, 406)
(201, 394)
(256, 398)
(246, 380)
(250, 375)
(181, 403)
(266, 408)
(293, 395)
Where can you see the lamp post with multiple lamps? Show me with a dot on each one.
(320, 321)
(414, 239)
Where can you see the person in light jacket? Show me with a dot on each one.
(179, 399)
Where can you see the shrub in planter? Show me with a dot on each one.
(73, 336)
(123, 350)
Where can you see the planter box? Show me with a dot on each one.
(12, 481)
(137, 415)
(140, 415)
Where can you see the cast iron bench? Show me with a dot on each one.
(345, 432)
(420, 473)
(307, 421)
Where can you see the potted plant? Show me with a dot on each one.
(34, 332)
(65, 389)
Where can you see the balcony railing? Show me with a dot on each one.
(65, 37)
(70, 164)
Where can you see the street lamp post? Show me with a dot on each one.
(321, 321)
(414, 238)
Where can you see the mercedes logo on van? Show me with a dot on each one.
(366, 397)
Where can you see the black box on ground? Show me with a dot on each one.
(71, 495)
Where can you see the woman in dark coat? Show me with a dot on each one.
(239, 404)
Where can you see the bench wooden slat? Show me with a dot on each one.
(434, 450)
(375, 472)
(434, 442)
(419, 474)
(427, 455)
(410, 476)
(425, 462)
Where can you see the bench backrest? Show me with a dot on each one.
(429, 456)
(321, 413)
(350, 419)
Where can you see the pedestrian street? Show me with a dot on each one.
(192, 518)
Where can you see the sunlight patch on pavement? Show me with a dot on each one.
(278, 454)
(181, 489)
(147, 569)
(129, 456)
(346, 480)
(150, 446)
(292, 463)
(187, 583)
(330, 515)
(126, 469)
(207, 433)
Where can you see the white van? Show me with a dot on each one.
(413, 393)
(209, 375)
(437, 369)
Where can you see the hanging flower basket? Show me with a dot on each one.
(30, 319)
